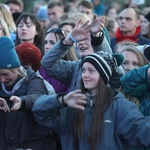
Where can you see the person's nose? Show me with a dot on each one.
(129, 67)
(85, 74)
(24, 27)
(47, 47)
(51, 17)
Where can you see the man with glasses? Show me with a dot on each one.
(129, 29)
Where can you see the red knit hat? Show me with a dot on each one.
(29, 54)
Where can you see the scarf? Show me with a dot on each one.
(15, 88)
(132, 38)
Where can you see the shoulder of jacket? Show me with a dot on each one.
(32, 75)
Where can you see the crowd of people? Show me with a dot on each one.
(74, 76)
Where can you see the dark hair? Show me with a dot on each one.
(53, 4)
(103, 100)
(53, 22)
(66, 23)
(38, 39)
(86, 4)
(16, 2)
(108, 8)
(62, 34)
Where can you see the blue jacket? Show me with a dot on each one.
(123, 123)
(137, 84)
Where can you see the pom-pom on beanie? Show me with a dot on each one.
(8, 56)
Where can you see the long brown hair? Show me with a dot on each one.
(103, 100)
(60, 34)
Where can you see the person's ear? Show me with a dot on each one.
(137, 22)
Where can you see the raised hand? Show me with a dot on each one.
(75, 99)
(17, 102)
(80, 32)
(3, 105)
(97, 24)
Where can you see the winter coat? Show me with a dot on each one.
(136, 83)
(18, 129)
(123, 123)
(137, 38)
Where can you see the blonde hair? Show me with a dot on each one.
(142, 60)
(121, 44)
(4, 27)
(75, 17)
(20, 71)
(7, 16)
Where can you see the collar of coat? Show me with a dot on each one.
(132, 38)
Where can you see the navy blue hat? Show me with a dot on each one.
(8, 56)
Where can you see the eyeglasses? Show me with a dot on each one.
(126, 18)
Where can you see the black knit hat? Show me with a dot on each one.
(147, 16)
(103, 62)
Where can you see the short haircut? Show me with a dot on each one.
(86, 4)
(16, 2)
(53, 4)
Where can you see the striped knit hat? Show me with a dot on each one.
(103, 62)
